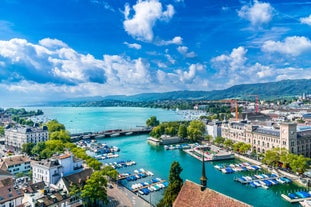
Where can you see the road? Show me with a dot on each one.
(119, 196)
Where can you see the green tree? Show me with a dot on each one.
(245, 148)
(228, 143)
(219, 140)
(152, 121)
(38, 148)
(94, 191)
(110, 172)
(299, 163)
(62, 135)
(208, 137)
(1, 131)
(182, 131)
(237, 146)
(175, 184)
(27, 148)
(196, 130)
(54, 125)
(271, 157)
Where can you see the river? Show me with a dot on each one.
(156, 159)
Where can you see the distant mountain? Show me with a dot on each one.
(271, 90)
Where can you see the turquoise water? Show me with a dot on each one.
(158, 160)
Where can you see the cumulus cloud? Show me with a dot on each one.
(133, 45)
(191, 74)
(51, 68)
(293, 46)
(184, 51)
(176, 41)
(231, 62)
(306, 20)
(146, 14)
(258, 14)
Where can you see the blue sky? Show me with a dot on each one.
(53, 50)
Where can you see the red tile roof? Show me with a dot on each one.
(191, 195)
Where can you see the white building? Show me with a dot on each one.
(51, 170)
(15, 164)
(17, 136)
(213, 128)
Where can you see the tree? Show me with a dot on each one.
(271, 157)
(228, 143)
(244, 148)
(152, 122)
(54, 125)
(208, 137)
(62, 135)
(27, 148)
(1, 131)
(95, 190)
(219, 140)
(175, 184)
(195, 130)
(38, 148)
(182, 131)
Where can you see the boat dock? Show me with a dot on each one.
(295, 200)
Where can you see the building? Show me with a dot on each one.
(40, 195)
(15, 164)
(213, 128)
(10, 196)
(51, 170)
(17, 136)
(296, 139)
(195, 195)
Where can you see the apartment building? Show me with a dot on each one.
(17, 136)
(51, 170)
(15, 164)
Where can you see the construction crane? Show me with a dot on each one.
(256, 104)
(234, 105)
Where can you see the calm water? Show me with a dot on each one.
(156, 159)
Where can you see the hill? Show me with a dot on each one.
(267, 91)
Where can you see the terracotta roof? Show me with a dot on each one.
(64, 156)
(191, 195)
(13, 160)
(8, 193)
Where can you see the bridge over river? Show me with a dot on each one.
(110, 133)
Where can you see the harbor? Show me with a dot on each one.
(158, 160)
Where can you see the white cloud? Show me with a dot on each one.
(176, 41)
(133, 45)
(190, 75)
(184, 51)
(293, 46)
(231, 62)
(147, 13)
(306, 20)
(258, 14)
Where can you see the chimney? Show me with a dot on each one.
(203, 179)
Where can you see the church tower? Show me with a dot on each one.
(203, 179)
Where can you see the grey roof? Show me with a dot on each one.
(271, 132)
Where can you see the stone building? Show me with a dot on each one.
(17, 136)
(288, 135)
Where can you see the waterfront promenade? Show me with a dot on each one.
(119, 196)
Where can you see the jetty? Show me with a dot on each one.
(295, 198)
(109, 133)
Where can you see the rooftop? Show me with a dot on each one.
(191, 195)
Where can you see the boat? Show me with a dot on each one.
(128, 133)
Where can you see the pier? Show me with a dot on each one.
(110, 133)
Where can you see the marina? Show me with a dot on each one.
(239, 167)
(158, 160)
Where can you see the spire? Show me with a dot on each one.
(203, 179)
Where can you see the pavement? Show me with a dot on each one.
(120, 196)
